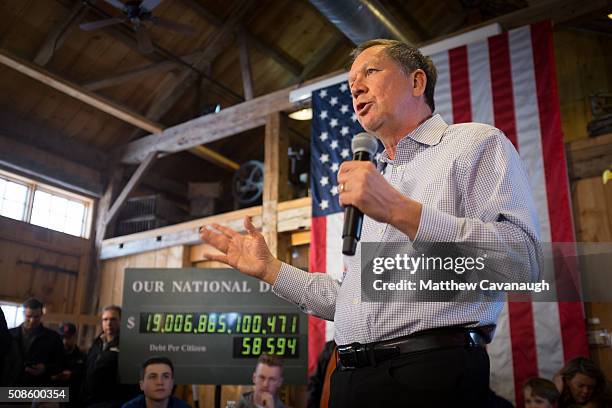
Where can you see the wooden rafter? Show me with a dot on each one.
(205, 129)
(137, 73)
(58, 35)
(281, 57)
(278, 55)
(78, 92)
(99, 102)
(245, 65)
(171, 91)
(317, 59)
(48, 167)
(130, 186)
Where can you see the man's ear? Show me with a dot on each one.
(419, 81)
(254, 377)
(141, 383)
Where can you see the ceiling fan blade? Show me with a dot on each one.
(94, 25)
(116, 4)
(144, 41)
(149, 5)
(181, 28)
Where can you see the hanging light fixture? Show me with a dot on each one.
(302, 114)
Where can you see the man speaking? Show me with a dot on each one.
(434, 183)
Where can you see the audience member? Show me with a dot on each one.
(267, 378)
(157, 385)
(318, 383)
(36, 351)
(101, 385)
(581, 384)
(5, 344)
(73, 365)
(540, 393)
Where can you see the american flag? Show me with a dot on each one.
(509, 81)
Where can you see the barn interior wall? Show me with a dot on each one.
(584, 67)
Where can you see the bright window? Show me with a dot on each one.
(13, 313)
(26, 200)
(13, 199)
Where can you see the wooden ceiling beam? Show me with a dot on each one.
(114, 109)
(38, 134)
(50, 168)
(58, 35)
(208, 128)
(105, 105)
(281, 57)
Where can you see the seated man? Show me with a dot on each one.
(267, 378)
(157, 385)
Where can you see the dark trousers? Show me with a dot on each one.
(455, 377)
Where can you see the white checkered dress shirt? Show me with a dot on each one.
(473, 188)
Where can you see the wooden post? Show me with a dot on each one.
(276, 169)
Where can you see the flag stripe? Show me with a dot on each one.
(500, 355)
(480, 82)
(333, 257)
(316, 326)
(545, 315)
(460, 85)
(501, 85)
(520, 314)
(570, 313)
(444, 104)
(500, 350)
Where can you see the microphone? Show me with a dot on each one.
(364, 147)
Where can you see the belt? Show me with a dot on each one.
(357, 355)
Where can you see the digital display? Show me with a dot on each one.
(212, 323)
(252, 347)
(220, 323)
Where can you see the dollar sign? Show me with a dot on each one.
(131, 322)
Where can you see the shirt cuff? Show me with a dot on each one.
(436, 226)
(291, 283)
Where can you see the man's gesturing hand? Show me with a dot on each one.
(248, 252)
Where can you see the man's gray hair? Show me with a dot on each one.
(409, 59)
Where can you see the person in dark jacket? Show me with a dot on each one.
(5, 344)
(36, 352)
(316, 382)
(101, 385)
(73, 365)
(157, 385)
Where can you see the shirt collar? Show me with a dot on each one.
(429, 132)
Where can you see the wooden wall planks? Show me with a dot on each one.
(593, 220)
(584, 66)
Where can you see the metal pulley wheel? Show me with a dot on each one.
(247, 184)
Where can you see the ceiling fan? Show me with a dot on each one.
(137, 12)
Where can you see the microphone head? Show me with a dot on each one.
(364, 142)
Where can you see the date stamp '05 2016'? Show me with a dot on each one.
(29, 394)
